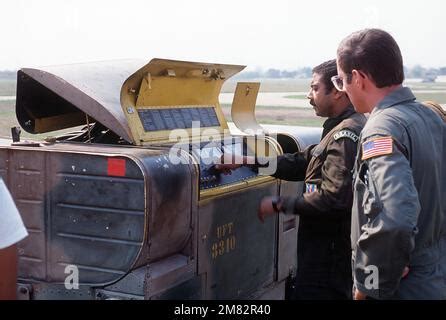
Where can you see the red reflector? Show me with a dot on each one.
(116, 167)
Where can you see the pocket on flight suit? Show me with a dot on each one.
(371, 204)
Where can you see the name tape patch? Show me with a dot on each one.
(377, 147)
(346, 134)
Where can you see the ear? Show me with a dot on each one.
(337, 94)
(358, 79)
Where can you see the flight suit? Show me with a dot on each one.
(399, 207)
(324, 251)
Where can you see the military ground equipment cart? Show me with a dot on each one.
(129, 206)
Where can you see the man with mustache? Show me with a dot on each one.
(324, 251)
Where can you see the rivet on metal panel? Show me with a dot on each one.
(214, 74)
(221, 74)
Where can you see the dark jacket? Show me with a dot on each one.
(324, 251)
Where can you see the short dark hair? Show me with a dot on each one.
(327, 70)
(374, 52)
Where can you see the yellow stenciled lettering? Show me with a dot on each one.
(214, 250)
(225, 240)
(230, 227)
(221, 247)
(232, 243)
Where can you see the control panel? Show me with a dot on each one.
(210, 153)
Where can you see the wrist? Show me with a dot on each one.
(276, 203)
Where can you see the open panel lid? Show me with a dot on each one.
(124, 101)
(59, 97)
(167, 94)
(243, 108)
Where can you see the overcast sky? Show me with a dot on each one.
(284, 34)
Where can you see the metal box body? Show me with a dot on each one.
(110, 203)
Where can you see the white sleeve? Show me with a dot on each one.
(12, 229)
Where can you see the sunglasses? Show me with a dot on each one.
(338, 81)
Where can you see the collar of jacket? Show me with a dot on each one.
(400, 95)
(330, 123)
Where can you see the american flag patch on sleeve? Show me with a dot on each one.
(310, 187)
(377, 147)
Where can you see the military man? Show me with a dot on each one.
(324, 252)
(399, 209)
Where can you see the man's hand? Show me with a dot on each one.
(405, 272)
(226, 168)
(235, 162)
(266, 208)
(359, 295)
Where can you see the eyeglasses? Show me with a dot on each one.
(338, 81)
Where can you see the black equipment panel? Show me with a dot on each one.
(210, 153)
(177, 118)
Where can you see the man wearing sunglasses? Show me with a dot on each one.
(324, 251)
(399, 206)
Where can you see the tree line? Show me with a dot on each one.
(300, 73)
(305, 73)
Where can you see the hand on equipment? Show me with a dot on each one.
(268, 207)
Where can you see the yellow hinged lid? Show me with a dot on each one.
(165, 95)
(140, 104)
